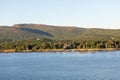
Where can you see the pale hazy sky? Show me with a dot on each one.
(82, 13)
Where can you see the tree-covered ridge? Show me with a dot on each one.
(33, 31)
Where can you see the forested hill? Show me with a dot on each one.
(40, 31)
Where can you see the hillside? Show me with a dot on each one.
(33, 31)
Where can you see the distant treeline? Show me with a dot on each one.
(39, 45)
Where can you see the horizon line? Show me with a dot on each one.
(89, 27)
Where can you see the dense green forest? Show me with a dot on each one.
(47, 44)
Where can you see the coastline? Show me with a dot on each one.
(61, 50)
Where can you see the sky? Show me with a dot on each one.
(80, 13)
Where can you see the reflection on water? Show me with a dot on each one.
(60, 66)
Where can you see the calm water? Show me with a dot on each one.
(60, 66)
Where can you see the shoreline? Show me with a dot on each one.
(61, 50)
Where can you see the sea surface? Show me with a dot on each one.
(60, 66)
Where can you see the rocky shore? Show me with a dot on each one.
(60, 50)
